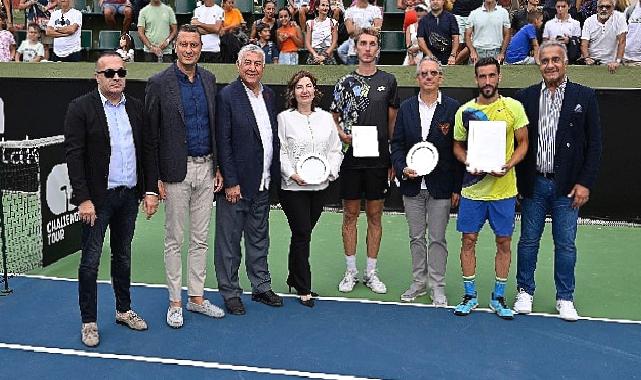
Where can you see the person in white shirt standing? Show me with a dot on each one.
(209, 18)
(603, 36)
(64, 26)
(359, 16)
(488, 32)
(304, 130)
(563, 26)
(632, 54)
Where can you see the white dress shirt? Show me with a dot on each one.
(426, 111)
(265, 128)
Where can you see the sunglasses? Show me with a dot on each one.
(433, 73)
(110, 73)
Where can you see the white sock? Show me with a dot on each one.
(371, 264)
(351, 262)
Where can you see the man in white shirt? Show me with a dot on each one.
(209, 18)
(488, 32)
(358, 16)
(632, 55)
(64, 26)
(563, 26)
(603, 36)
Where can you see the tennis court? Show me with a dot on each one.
(365, 335)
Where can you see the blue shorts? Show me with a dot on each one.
(473, 214)
(118, 8)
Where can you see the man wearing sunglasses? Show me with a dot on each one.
(106, 162)
(180, 111)
(427, 197)
(603, 36)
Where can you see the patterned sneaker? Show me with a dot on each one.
(372, 281)
(206, 308)
(175, 317)
(131, 320)
(497, 304)
(567, 311)
(523, 302)
(348, 282)
(469, 303)
(90, 336)
(413, 292)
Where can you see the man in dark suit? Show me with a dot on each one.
(249, 149)
(180, 107)
(106, 162)
(556, 175)
(427, 117)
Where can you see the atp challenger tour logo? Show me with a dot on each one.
(58, 198)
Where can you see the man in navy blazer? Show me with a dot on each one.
(248, 151)
(181, 112)
(557, 174)
(427, 117)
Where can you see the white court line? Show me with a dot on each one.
(180, 362)
(357, 300)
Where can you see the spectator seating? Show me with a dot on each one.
(245, 6)
(390, 7)
(21, 35)
(392, 41)
(86, 38)
(185, 7)
(108, 39)
(135, 37)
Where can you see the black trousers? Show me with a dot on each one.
(210, 57)
(303, 209)
(118, 212)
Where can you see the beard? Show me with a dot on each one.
(488, 91)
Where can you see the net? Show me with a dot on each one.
(20, 205)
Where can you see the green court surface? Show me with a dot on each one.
(607, 281)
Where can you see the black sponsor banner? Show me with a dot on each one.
(60, 225)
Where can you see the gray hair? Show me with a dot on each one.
(251, 48)
(614, 3)
(554, 43)
(429, 59)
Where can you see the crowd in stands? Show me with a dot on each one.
(596, 32)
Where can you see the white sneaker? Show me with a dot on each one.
(347, 283)
(89, 334)
(206, 308)
(413, 292)
(566, 310)
(523, 302)
(175, 317)
(373, 282)
(438, 297)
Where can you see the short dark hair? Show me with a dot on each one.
(487, 61)
(188, 28)
(535, 15)
(107, 53)
(290, 98)
(567, 2)
(260, 26)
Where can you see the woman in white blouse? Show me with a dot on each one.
(304, 129)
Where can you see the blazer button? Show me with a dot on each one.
(571, 124)
(568, 145)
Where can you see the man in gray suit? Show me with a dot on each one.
(180, 107)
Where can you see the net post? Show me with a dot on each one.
(5, 270)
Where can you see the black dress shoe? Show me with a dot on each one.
(308, 303)
(268, 298)
(234, 306)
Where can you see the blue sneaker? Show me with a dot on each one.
(497, 304)
(468, 304)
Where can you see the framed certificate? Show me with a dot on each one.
(486, 146)
(365, 140)
(422, 157)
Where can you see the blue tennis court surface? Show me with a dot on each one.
(40, 338)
